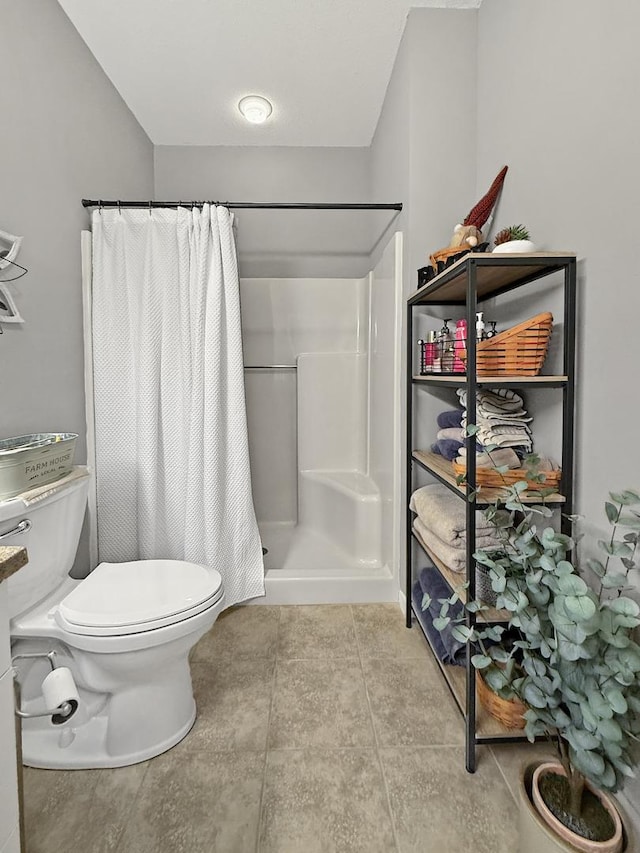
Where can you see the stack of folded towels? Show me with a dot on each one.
(502, 421)
(441, 524)
(450, 437)
(444, 644)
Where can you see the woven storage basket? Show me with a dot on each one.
(493, 478)
(508, 711)
(519, 351)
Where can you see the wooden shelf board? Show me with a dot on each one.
(494, 381)
(443, 469)
(455, 579)
(494, 273)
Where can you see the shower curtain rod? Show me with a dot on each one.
(241, 204)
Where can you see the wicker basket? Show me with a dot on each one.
(508, 711)
(519, 351)
(493, 478)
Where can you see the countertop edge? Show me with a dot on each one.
(12, 558)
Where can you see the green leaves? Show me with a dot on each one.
(623, 606)
(534, 696)
(627, 498)
(612, 511)
(573, 660)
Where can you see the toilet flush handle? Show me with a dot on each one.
(21, 527)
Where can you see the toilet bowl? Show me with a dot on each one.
(125, 633)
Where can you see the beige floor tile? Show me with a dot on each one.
(233, 699)
(79, 809)
(188, 805)
(410, 703)
(438, 807)
(316, 631)
(324, 801)
(241, 632)
(320, 703)
(512, 757)
(381, 632)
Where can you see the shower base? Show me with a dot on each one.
(304, 567)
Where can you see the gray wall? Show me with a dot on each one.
(66, 133)
(279, 243)
(423, 152)
(557, 91)
(556, 85)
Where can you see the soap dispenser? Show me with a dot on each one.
(445, 347)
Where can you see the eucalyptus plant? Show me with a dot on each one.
(570, 654)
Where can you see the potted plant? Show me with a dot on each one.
(514, 238)
(571, 660)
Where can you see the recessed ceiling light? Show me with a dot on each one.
(255, 108)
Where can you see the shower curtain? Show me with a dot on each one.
(172, 459)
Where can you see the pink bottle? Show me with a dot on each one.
(459, 344)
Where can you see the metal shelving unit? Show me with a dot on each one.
(467, 283)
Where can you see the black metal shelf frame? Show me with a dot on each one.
(537, 267)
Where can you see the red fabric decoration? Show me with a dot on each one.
(481, 212)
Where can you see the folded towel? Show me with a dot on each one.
(447, 447)
(499, 400)
(426, 620)
(439, 509)
(449, 419)
(454, 433)
(504, 456)
(494, 459)
(447, 648)
(454, 557)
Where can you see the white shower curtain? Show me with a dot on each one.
(172, 460)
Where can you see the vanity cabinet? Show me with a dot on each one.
(463, 287)
(10, 834)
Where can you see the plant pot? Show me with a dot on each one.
(613, 845)
(538, 836)
(514, 246)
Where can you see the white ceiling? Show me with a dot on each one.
(182, 65)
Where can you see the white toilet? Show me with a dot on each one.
(125, 633)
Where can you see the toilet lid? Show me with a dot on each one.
(137, 596)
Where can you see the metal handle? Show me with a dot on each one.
(21, 527)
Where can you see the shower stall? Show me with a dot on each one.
(322, 380)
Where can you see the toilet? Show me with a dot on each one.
(124, 632)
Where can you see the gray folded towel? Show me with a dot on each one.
(494, 459)
(442, 512)
(450, 433)
(455, 558)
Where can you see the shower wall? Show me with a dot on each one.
(323, 402)
(282, 319)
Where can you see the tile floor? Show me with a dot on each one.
(321, 729)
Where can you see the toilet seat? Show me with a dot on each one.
(118, 599)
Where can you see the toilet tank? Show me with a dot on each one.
(55, 517)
